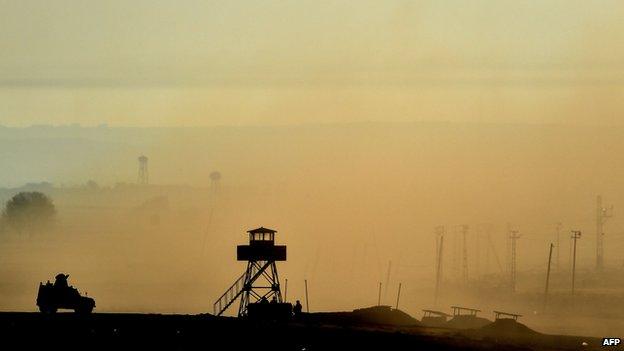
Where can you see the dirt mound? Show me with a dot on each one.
(507, 327)
(433, 321)
(467, 322)
(377, 315)
(384, 315)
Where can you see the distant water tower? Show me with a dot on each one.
(143, 178)
(215, 179)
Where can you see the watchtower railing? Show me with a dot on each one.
(506, 315)
(229, 296)
(457, 311)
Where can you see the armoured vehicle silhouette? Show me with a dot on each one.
(51, 297)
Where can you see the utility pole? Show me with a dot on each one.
(398, 296)
(513, 236)
(465, 255)
(306, 295)
(576, 234)
(602, 214)
(379, 295)
(440, 245)
(558, 245)
(486, 269)
(508, 248)
(477, 260)
(547, 277)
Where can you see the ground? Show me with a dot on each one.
(103, 331)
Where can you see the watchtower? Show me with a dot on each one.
(260, 281)
(143, 178)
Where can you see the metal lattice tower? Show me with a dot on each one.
(602, 214)
(143, 178)
(576, 234)
(513, 236)
(260, 281)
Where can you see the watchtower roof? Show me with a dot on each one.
(261, 230)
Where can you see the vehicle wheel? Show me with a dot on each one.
(83, 310)
(47, 309)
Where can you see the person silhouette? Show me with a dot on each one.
(61, 280)
(264, 300)
(274, 299)
(297, 309)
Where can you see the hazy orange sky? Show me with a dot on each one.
(170, 63)
(347, 198)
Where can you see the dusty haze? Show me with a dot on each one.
(351, 127)
(347, 199)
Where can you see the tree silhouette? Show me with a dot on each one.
(29, 211)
